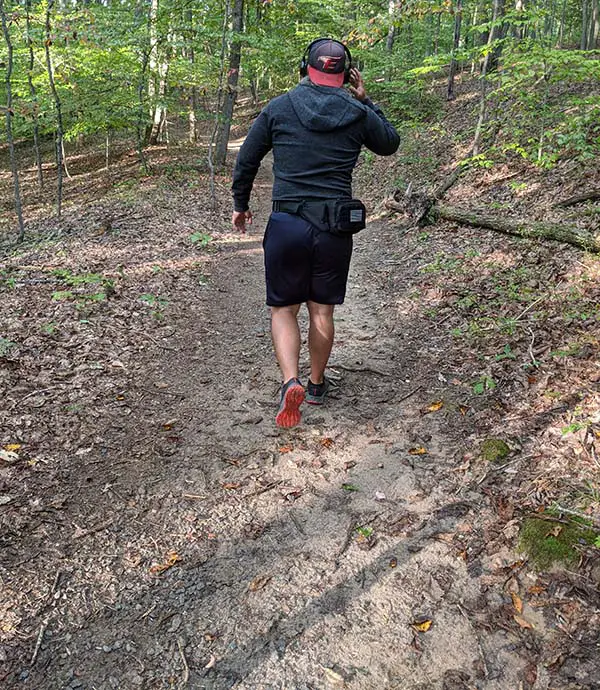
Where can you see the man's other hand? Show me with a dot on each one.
(240, 218)
(357, 85)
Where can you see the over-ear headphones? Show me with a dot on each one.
(306, 55)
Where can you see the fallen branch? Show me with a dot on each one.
(580, 198)
(532, 230)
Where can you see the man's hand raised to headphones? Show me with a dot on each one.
(357, 85)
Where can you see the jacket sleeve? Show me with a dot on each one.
(381, 137)
(257, 144)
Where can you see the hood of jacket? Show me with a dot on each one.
(324, 108)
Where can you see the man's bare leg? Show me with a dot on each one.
(286, 339)
(320, 338)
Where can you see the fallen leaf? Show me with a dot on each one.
(231, 485)
(536, 589)
(172, 558)
(327, 442)
(435, 406)
(259, 582)
(333, 676)
(418, 450)
(286, 449)
(8, 456)
(463, 409)
(555, 531)
(523, 622)
(517, 603)
(290, 492)
(422, 625)
(12, 447)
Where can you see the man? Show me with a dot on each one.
(316, 131)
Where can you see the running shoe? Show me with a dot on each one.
(316, 392)
(292, 396)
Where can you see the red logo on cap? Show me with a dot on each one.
(329, 63)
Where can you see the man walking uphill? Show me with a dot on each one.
(316, 131)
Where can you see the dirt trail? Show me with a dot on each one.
(196, 545)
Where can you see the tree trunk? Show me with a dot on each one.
(584, 25)
(389, 41)
(453, 63)
(490, 62)
(213, 134)
(563, 18)
(235, 54)
(594, 25)
(33, 94)
(58, 139)
(531, 230)
(9, 116)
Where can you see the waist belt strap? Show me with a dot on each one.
(287, 206)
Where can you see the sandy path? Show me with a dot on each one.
(305, 558)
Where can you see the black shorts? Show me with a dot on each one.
(303, 263)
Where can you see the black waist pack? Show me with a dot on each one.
(338, 216)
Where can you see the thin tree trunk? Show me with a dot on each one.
(584, 25)
(235, 54)
(594, 25)
(33, 94)
(58, 139)
(211, 144)
(563, 18)
(490, 58)
(453, 63)
(389, 42)
(140, 128)
(9, 116)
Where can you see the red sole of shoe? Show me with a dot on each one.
(290, 414)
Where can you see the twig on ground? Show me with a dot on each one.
(371, 370)
(38, 642)
(93, 530)
(409, 395)
(493, 470)
(262, 490)
(186, 668)
(575, 513)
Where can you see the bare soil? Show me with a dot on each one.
(159, 531)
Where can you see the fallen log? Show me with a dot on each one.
(580, 198)
(531, 230)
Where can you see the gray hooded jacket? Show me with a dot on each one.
(316, 133)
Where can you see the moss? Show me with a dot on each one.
(494, 450)
(547, 542)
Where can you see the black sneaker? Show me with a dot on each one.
(316, 392)
(292, 396)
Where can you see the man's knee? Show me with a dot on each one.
(292, 309)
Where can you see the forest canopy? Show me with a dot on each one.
(134, 69)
